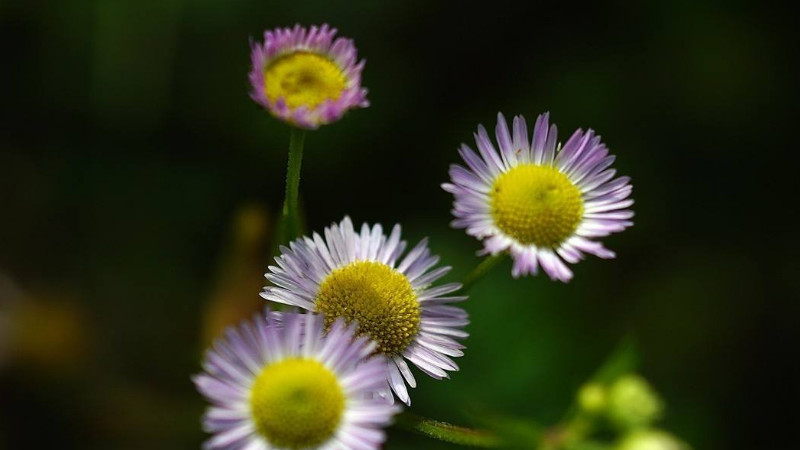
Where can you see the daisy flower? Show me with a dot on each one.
(544, 203)
(362, 278)
(306, 77)
(290, 386)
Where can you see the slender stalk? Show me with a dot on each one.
(444, 431)
(291, 214)
(481, 270)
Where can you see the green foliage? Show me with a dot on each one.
(622, 360)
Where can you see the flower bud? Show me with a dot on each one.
(632, 402)
(651, 440)
(592, 398)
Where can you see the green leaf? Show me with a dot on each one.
(624, 359)
(589, 445)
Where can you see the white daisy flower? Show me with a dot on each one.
(361, 277)
(290, 386)
(545, 204)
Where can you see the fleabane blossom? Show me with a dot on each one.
(306, 76)
(289, 385)
(544, 203)
(364, 278)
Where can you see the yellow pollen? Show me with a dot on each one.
(536, 205)
(296, 403)
(376, 296)
(303, 79)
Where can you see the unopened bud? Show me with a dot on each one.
(632, 402)
(592, 398)
(651, 440)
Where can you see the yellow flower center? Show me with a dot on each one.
(296, 403)
(376, 296)
(303, 79)
(536, 205)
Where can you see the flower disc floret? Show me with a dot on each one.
(536, 205)
(303, 79)
(380, 299)
(297, 403)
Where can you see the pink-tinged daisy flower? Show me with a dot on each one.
(290, 386)
(306, 77)
(362, 278)
(542, 202)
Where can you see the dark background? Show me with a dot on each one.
(139, 185)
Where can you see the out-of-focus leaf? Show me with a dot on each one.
(240, 275)
(49, 331)
(623, 359)
(588, 445)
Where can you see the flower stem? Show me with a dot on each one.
(291, 215)
(444, 431)
(480, 270)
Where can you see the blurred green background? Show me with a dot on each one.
(139, 186)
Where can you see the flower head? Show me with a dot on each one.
(306, 77)
(289, 386)
(542, 203)
(361, 278)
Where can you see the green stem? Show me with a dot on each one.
(444, 431)
(480, 270)
(291, 213)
